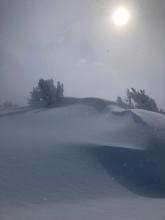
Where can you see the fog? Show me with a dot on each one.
(75, 42)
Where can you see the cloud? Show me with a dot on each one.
(72, 42)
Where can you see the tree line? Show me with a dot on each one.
(48, 94)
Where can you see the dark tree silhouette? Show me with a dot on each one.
(139, 99)
(46, 93)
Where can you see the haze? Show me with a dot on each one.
(75, 42)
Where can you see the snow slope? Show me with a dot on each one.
(80, 161)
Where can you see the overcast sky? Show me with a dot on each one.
(73, 41)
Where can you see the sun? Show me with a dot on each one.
(120, 16)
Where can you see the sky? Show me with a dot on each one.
(75, 42)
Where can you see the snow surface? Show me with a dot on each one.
(77, 162)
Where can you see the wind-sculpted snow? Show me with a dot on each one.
(75, 124)
(61, 159)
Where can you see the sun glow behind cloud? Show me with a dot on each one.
(121, 16)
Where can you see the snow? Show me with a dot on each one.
(75, 162)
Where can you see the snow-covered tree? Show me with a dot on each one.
(35, 97)
(46, 93)
(121, 102)
(59, 91)
(139, 99)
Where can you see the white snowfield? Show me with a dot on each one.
(79, 162)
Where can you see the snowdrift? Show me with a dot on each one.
(91, 150)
